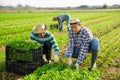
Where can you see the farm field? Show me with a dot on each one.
(104, 25)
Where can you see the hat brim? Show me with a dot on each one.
(74, 24)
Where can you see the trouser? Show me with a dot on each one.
(93, 48)
(61, 28)
(47, 48)
(67, 23)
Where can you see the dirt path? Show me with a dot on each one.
(2, 48)
(9, 76)
(113, 72)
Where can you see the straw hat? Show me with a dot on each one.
(40, 28)
(74, 21)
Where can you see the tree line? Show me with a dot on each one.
(105, 6)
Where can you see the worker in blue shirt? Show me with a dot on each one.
(61, 19)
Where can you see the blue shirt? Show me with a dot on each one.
(62, 18)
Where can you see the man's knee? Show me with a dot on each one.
(47, 45)
(66, 54)
(95, 45)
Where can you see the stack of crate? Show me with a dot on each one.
(23, 62)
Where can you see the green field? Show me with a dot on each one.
(104, 25)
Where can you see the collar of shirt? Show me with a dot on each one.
(80, 31)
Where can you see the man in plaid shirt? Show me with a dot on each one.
(80, 42)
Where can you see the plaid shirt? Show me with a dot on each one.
(82, 40)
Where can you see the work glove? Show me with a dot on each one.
(56, 58)
(77, 66)
(70, 62)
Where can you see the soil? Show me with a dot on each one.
(113, 72)
(2, 48)
(4, 75)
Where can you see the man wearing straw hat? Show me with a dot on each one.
(41, 35)
(80, 42)
(61, 18)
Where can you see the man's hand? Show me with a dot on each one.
(56, 58)
(70, 61)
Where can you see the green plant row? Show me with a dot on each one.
(25, 15)
(104, 24)
(27, 27)
(112, 52)
(6, 39)
(98, 20)
(12, 28)
(110, 45)
(62, 71)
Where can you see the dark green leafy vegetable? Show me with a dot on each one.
(24, 45)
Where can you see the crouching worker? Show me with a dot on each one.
(41, 35)
(61, 19)
(80, 42)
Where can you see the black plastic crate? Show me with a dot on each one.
(22, 67)
(54, 26)
(31, 55)
(23, 62)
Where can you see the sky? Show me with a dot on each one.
(58, 3)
